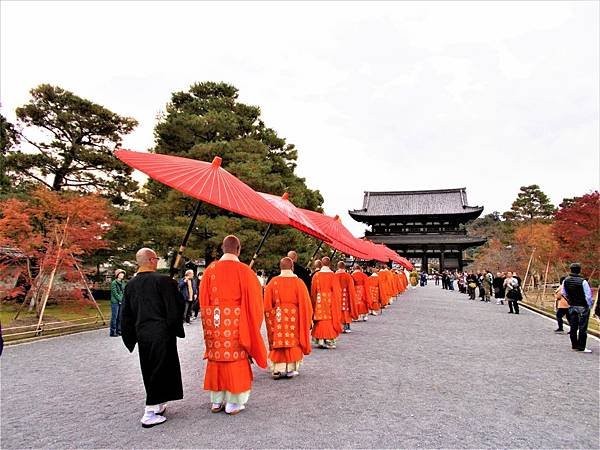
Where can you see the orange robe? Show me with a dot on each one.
(404, 280)
(395, 283)
(349, 307)
(327, 305)
(362, 292)
(374, 291)
(288, 328)
(385, 287)
(232, 315)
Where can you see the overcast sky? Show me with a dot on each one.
(376, 96)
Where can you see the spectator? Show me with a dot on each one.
(117, 288)
(471, 285)
(188, 287)
(488, 282)
(578, 293)
(512, 288)
(561, 306)
(499, 288)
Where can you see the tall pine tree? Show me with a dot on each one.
(531, 204)
(208, 121)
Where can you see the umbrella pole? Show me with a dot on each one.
(177, 259)
(262, 241)
(315, 253)
(333, 254)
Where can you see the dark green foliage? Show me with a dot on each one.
(8, 139)
(531, 203)
(76, 150)
(205, 122)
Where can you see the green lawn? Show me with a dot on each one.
(59, 312)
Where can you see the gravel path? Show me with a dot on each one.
(436, 370)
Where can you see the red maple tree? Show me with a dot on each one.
(53, 229)
(577, 230)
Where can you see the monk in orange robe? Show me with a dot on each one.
(326, 298)
(349, 307)
(403, 279)
(374, 292)
(362, 293)
(385, 286)
(232, 314)
(288, 315)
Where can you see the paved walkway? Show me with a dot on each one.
(436, 370)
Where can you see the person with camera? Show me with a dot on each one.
(512, 287)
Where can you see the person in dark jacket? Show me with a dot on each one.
(151, 317)
(302, 272)
(471, 285)
(117, 288)
(578, 293)
(499, 288)
(188, 286)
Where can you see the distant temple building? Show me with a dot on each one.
(425, 225)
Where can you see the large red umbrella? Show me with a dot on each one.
(296, 216)
(341, 239)
(205, 181)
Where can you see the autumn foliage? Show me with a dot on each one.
(53, 229)
(576, 229)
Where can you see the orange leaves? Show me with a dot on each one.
(37, 225)
(577, 230)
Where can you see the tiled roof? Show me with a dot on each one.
(416, 203)
(432, 239)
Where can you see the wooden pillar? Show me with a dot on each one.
(442, 262)
(460, 260)
(424, 264)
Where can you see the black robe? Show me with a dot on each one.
(304, 274)
(151, 316)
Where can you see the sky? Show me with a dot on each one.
(387, 96)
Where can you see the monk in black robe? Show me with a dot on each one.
(151, 316)
(302, 272)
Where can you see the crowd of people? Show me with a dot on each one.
(302, 310)
(573, 298)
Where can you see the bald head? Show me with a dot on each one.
(326, 261)
(318, 264)
(341, 265)
(286, 263)
(146, 257)
(231, 244)
(293, 255)
(357, 268)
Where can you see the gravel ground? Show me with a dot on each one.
(436, 370)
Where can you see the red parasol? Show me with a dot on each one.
(205, 181)
(341, 238)
(297, 218)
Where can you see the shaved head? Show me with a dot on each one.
(326, 261)
(341, 265)
(293, 255)
(286, 263)
(357, 267)
(318, 264)
(231, 244)
(146, 257)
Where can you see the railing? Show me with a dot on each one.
(24, 332)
